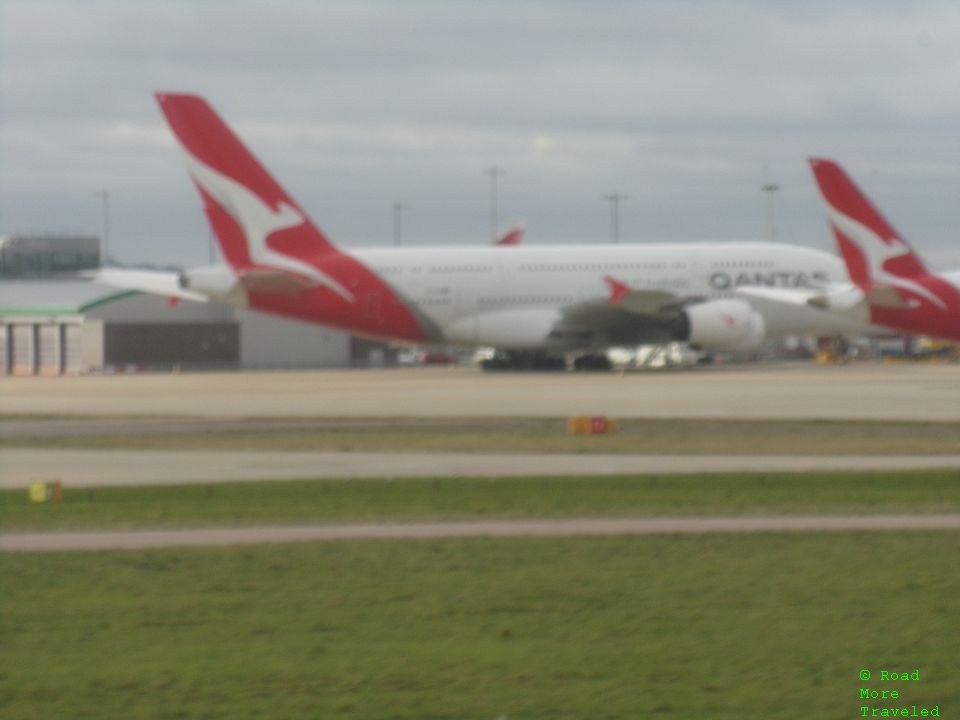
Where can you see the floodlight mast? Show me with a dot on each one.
(494, 172)
(104, 196)
(398, 208)
(771, 188)
(614, 199)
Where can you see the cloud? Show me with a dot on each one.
(357, 104)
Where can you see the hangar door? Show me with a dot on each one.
(49, 354)
(4, 350)
(23, 355)
(167, 344)
(72, 349)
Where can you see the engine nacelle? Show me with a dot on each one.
(217, 282)
(724, 325)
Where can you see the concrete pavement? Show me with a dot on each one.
(89, 468)
(120, 540)
(869, 390)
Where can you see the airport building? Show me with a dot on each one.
(53, 322)
(35, 256)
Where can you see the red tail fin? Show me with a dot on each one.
(284, 263)
(870, 246)
(253, 217)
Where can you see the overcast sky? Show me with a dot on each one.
(681, 106)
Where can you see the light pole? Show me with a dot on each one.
(398, 208)
(104, 195)
(614, 200)
(494, 173)
(771, 189)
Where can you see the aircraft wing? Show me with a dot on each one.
(839, 298)
(617, 326)
(629, 316)
(839, 308)
(803, 297)
(153, 282)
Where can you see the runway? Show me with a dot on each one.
(100, 468)
(865, 391)
(577, 527)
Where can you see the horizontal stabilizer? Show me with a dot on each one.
(839, 297)
(152, 282)
(799, 311)
(888, 296)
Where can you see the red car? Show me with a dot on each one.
(437, 358)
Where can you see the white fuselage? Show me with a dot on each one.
(454, 286)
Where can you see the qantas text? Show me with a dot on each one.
(724, 281)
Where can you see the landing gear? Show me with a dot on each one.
(516, 360)
(593, 363)
(510, 360)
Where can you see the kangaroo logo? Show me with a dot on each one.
(877, 252)
(258, 221)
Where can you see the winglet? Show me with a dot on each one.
(617, 289)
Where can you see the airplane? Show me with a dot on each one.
(534, 304)
(891, 282)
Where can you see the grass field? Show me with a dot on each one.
(765, 626)
(761, 627)
(339, 500)
(687, 436)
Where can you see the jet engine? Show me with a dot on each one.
(723, 325)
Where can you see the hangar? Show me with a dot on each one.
(71, 326)
(53, 322)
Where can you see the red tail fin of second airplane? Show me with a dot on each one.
(871, 248)
(514, 236)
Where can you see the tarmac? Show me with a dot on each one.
(793, 390)
(168, 403)
(126, 540)
(92, 468)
